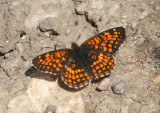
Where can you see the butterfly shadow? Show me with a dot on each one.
(34, 73)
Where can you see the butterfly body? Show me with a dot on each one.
(93, 59)
(80, 57)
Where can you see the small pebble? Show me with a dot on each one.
(119, 88)
(156, 80)
(51, 109)
(104, 84)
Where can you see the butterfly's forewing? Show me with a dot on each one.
(107, 41)
(51, 62)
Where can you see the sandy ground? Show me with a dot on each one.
(31, 27)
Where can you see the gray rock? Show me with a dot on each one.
(119, 87)
(50, 24)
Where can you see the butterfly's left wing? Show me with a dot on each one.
(52, 62)
(100, 63)
(107, 41)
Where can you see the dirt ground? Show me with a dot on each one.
(31, 27)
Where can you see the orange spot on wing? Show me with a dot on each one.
(106, 33)
(48, 67)
(104, 48)
(73, 77)
(40, 66)
(73, 72)
(58, 69)
(106, 60)
(101, 65)
(69, 75)
(60, 65)
(116, 42)
(58, 54)
(63, 59)
(69, 80)
(115, 36)
(111, 41)
(115, 33)
(43, 62)
(99, 71)
(109, 45)
(57, 61)
(79, 70)
(85, 74)
(70, 83)
(97, 67)
(83, 79)
(93, 70)
(97, 41)
(77, 76)
(74, 82)
(109, 36)
(96, 46)
(98, 38)
(103, 37)
(66, 80)
(88, 78)
(110, 50)
(78, 80)
(103, 68)
(103, 44)
(75, 85)
(95, 74)
(44, 67)
(50, 63)
(94, 63)
(47, 55)
(110, 63)
(54, 65)
(81, 75)
(92, 42)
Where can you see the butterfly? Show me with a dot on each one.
(79, 65)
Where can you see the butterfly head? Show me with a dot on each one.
(74, 46)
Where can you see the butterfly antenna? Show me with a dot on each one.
(55, 46)
(80, 33)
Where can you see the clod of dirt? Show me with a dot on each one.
(104, 84)
(119, 87)
(50, 24)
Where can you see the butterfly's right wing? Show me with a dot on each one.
(51, 62)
